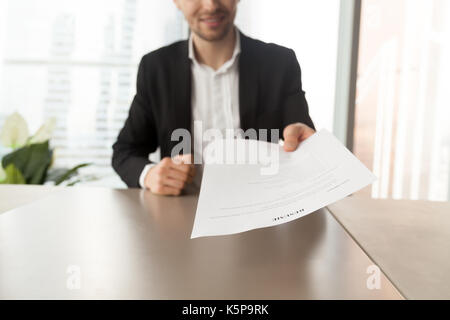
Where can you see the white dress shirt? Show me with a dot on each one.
(214, 99)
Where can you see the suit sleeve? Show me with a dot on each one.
(138, 137)
(295, 106)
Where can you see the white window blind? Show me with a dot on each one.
(76, 61)
(402, 120)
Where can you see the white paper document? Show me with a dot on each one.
(240, 197)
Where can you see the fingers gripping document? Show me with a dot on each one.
(243, 196)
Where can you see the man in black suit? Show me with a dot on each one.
(220, 77)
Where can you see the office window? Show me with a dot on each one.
(76, 61)
(310, 28)
(402, 127)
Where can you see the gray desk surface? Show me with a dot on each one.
(409, 240)
(132, 244)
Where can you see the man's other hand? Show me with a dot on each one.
(170, 176)
(294, 134)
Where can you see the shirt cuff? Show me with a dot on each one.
(144, 174)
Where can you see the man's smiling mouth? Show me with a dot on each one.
(213, 21)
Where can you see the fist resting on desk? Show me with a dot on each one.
(170, 176)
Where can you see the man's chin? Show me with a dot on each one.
(213, 36)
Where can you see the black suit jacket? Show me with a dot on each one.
(270, 97)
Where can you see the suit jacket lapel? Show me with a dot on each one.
(248, 85)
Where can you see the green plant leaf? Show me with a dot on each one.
(2, 174)
(13, 175)
(32, 161)
(70, 173)
(54, 173)
(74, 183)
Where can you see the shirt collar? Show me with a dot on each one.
(226, 65)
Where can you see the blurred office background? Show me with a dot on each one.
(76, 61)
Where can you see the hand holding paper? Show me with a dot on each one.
(240, 197)
(294, 134)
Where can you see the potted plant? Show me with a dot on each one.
(31, 158)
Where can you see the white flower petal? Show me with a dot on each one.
(45, 131)
(14, 132)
